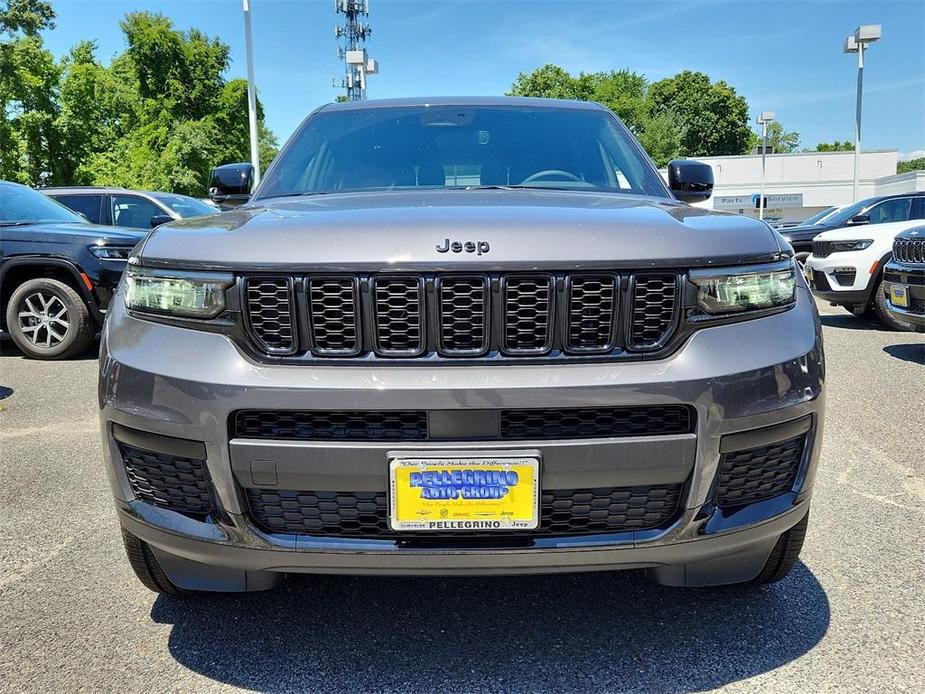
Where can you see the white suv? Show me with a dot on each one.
(846, 267)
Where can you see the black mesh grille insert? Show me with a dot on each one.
(463, 315)
(269, 308)
(591, 303)
(909, 250)
(655, 298)
(823, 249)
(168, 481)
(399, 315)
(334, 308)
(527, 314)
(596, 422)
(563, 512)
(757, 474)
(308, 425)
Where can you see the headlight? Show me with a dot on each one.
(175, 292)
(859, 245)
(733, 290)
(111, 252)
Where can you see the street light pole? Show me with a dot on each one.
(251, 92)
(763, 119)
(863, 36)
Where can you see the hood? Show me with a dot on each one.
(508, 229)
(867, 231)
(67, 231)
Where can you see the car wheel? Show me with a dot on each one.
(784, 555)
(885, 316)
(47, 319)
(146, 566)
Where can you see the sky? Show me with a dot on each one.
(782, 56)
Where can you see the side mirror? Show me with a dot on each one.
(230, 184)
(159, 219)
(857, 219)
(690, 181)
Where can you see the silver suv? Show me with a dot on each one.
(462, 336)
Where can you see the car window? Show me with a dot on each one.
(894, 210)
(22, 205)
(133, 211)
(88, 205)
(459, 147)
(185, 206)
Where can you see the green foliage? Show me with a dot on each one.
(835, 146)
(159, 116)
(711, 118)
(780, 140)
(911, 165)
(684, 115)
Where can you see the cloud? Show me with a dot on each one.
(914, 154)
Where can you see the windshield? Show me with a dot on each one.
(846, 213)
(185, 206)
(441, 147)
(19, 204)
(819, 216)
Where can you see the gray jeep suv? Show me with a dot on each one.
(462, 336)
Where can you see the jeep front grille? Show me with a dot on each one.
(909, 250)
(493, 316)
(563, 512)
(823, 249)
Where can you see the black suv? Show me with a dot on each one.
(57, 273)
(129, 208)
(879, 210)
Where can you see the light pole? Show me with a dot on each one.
(763, 119)
(251, 92)
(864, 35)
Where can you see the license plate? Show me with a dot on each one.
(898, 296)
(464, 494)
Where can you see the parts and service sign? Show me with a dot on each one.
(464, 494)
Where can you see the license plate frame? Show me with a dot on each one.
(899, 296)
(412, 510)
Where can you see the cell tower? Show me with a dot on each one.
(352, 51)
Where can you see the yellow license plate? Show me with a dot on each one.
(898, 296)
(464, 494)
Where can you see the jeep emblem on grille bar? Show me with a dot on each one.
(477, 247)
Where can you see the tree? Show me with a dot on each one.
(835, 146)
(911, 165)
(711, 118)
(778, 139)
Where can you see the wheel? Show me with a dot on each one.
(146, 566)
(784, 555)
(47, 319)
(885, 316)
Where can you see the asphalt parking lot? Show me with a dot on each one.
(73, 616)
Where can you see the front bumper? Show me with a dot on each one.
(910, 278)
(840, 278)
(737, 377)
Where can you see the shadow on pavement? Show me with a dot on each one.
(850, 322)
(604, 631)
(907, 352)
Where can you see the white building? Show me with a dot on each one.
(800, 184)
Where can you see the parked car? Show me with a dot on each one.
(879, 210)
(904, 278)
(57, 273)
(129, 208)
(463, 336)
(846, 268)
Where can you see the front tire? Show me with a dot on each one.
(48, 319)
(784, 555)
(146, 566)
(885, 316)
